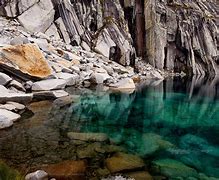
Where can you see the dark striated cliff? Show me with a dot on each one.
(173, 35)
(182, 35)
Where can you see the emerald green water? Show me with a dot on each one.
(160, 122)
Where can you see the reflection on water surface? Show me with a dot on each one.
(171, 127)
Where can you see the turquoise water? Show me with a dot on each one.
(186, 123)
(174, 122)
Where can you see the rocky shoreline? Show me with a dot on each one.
(34, 66)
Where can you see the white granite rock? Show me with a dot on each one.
(38, 175)
(49, 84)
(39, 17)
(4, 79)
(71, 79)
(7, 118)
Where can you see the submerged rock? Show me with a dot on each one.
(173, 168)
(152, 143)
(196, 143)
(88, 136)
(140, 175)
(67, 170)
(124, 162)
(90, 151)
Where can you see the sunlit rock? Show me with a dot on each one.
(24, 59)
(124, 85)
(49, 84)
(48, 95)
(7, 118)
(16, 97)
(43, 14)
(17, 85)
(71, 79)
(99, 78)
(18, 106)
(19, 41)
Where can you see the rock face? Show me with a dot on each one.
(26, 59)
(100, 26)
(174, 35)
(182, 36)
(43, 14)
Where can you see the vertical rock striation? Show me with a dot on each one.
(173, 35)
(182, 35)
(99, 25)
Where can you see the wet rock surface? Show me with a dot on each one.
(106, 143)
(67, 170)
(173, 168)
(121, 162)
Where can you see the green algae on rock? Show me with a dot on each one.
(173, 168)
(7, 173)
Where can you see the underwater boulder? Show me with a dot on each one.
(173, 168)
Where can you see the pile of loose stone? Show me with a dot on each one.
(36, 66)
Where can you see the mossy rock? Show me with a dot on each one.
(7, 173)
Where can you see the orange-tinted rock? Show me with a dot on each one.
(122, 162)
(140, 175)
(74, 170)
(136, 79)
(26, 58)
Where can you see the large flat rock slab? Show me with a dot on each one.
(67, 170)
(25, 59)
(15, 97)
(49, 84)
(47, 95)
(39, 17)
